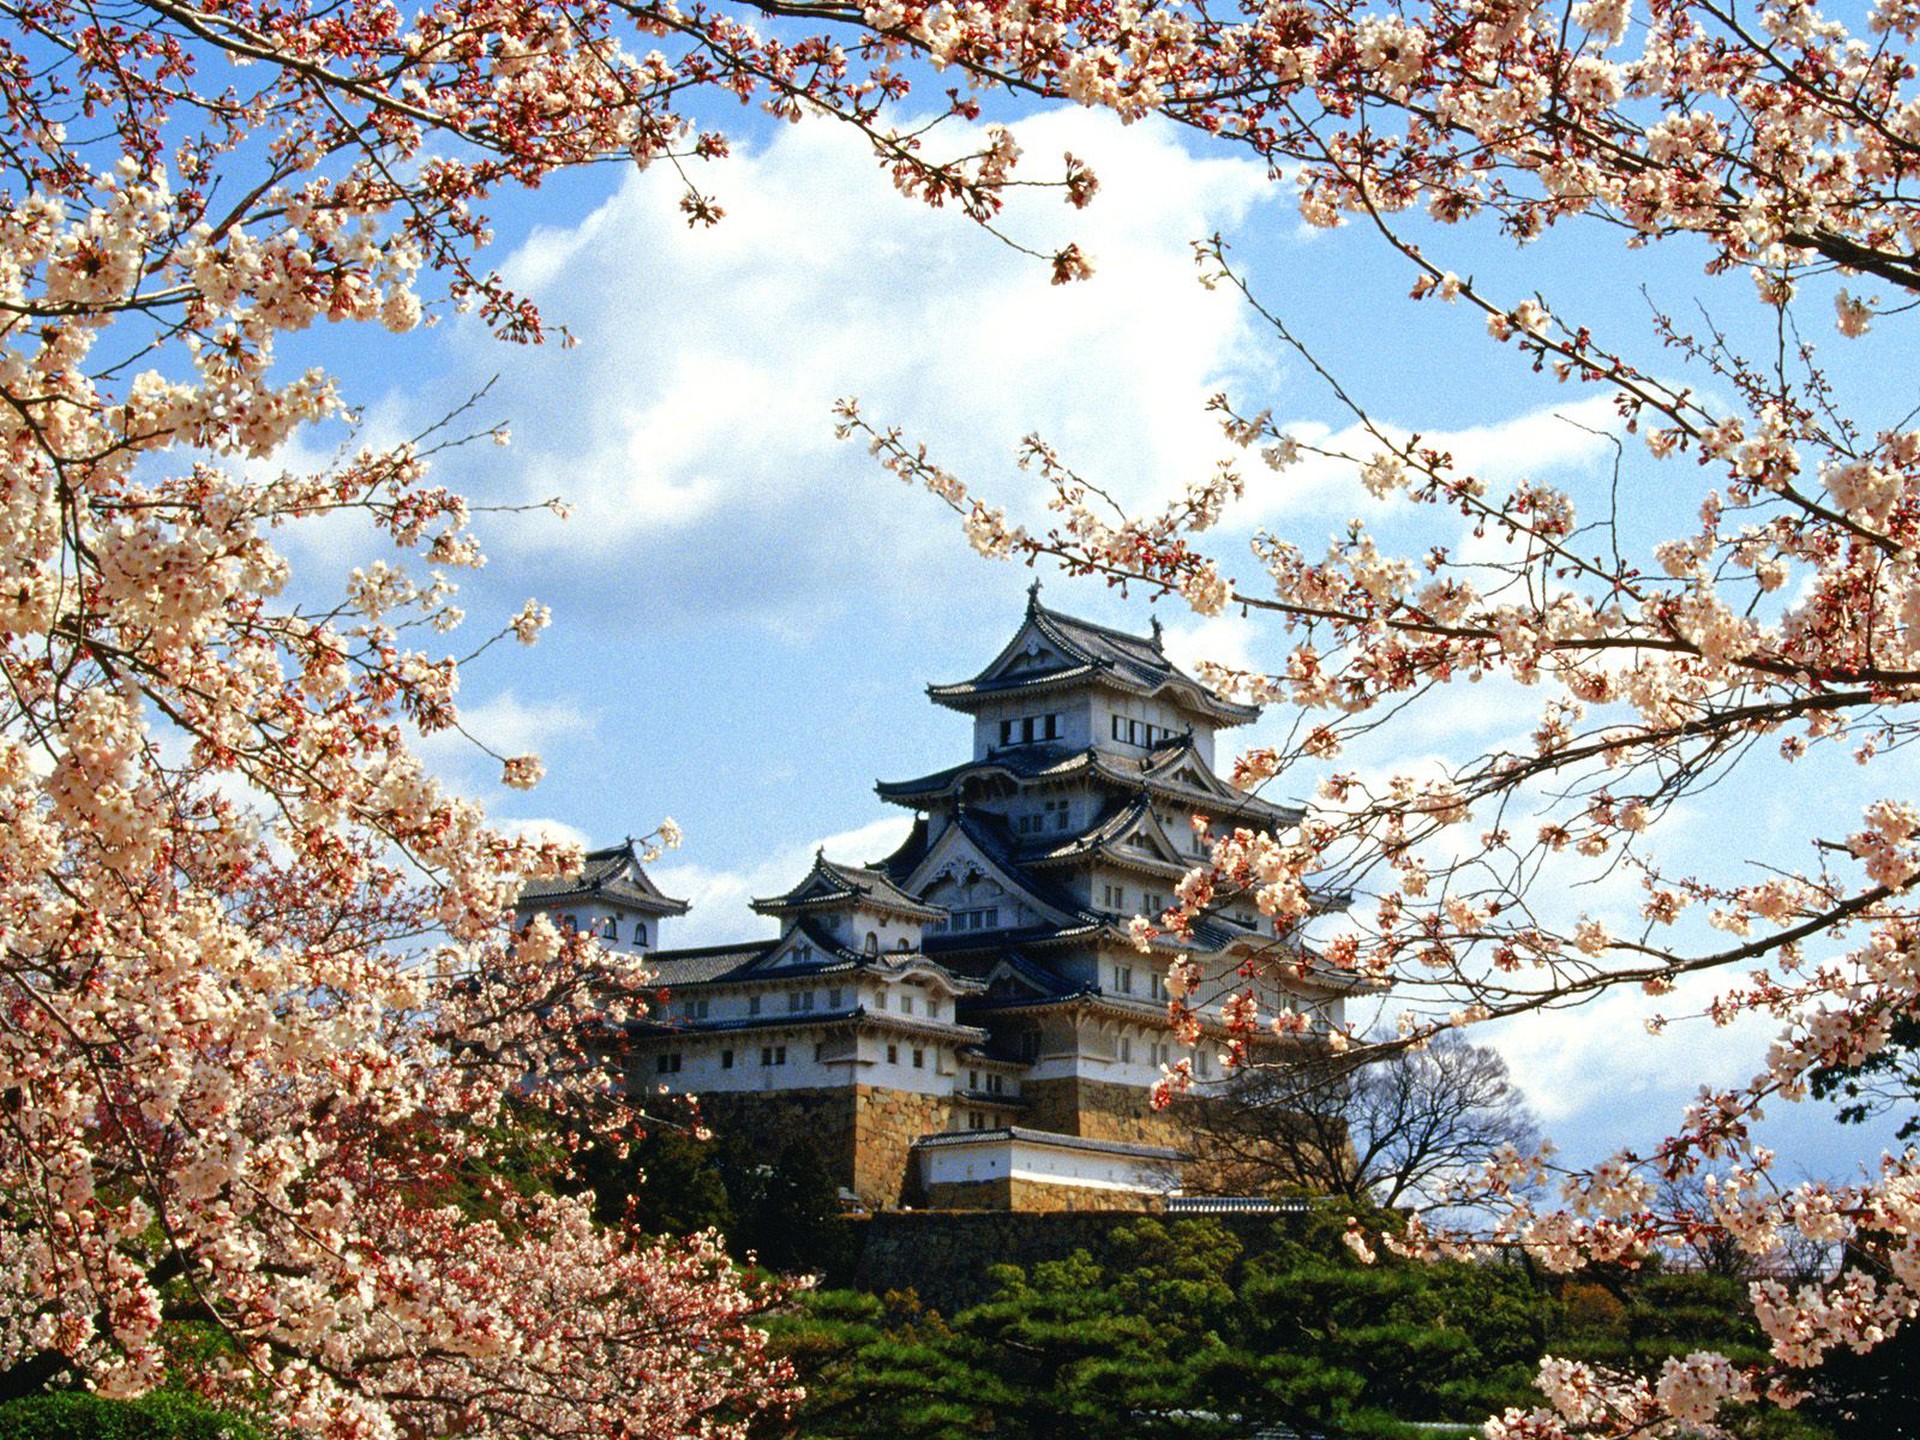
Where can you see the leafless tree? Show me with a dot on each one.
(1410, 1130)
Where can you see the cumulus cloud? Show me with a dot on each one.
(694, 419)
(507, 725)
(720, 896)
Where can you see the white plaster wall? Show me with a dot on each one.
(593, 915)
(954, 1164)
(1075, 725)
(1152, 712)
(701, 1072)
(991, 1159)
(935, 1077)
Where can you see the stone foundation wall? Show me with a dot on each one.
(861, 1132)
(886, 1124)
(864, 1134)
(995, 1194)
(1039, 1197)
(1099, 1110)
(1043, 1197)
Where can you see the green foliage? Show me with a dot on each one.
(1176, 1331)
(787, 1211)
(163, 1415)
(1173, 1331)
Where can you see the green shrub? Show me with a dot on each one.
(163, 1415)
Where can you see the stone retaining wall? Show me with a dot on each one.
(861, 1132)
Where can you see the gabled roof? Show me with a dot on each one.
(832, 886)
(613, 875)
(983, 838)
(1060, 649)
(1018, 763)
(764, 960)
(670, 968)
(1172, 769)
(1111, 840)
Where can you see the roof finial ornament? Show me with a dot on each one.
(1033, 594)
(1156, 632)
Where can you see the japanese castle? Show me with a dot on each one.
(967, 1023)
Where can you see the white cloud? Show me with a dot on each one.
(543, 828)
(694, 418)
(507, 725)
(1551, 441)
(720, 896)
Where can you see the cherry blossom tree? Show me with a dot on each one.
(253, 952)
(1777, 624)
(259, 1009)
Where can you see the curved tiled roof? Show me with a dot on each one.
(613, 874)
(1097, 652)
(832, 886)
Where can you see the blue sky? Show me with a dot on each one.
(746, 611)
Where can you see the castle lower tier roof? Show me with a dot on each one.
(754, 963)
(833, 886)
(613, 874)
(952, 1139)
(857, 1016)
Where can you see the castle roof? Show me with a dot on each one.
(832, 886)
(1172, 769)
(1051, 650)
(774, 960)
(613, 875)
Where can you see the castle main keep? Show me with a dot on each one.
(967, 1022)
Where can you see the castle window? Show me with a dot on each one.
(798, 1000)
(996, 1084)
(873, 943)
(1126, 1050)
(893, 1054)
(773, 1054)
(973, 1079)
(639, 932)
(976, 1121)
(906, 1004)
(1204, 1063)
(902, 945)
(1123, 979)
(613, 927)
(1027, 729)
(753, 1005)
(800, 955)
(569, 922)
(986, 918)
(726, 1059)
(819, 1051)
(880, 999)
(667, 1064)
(919, 1059)
(933, 1006)
(1157, 986)
(1030, 1045)
(698, 1008)
(833, 998)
